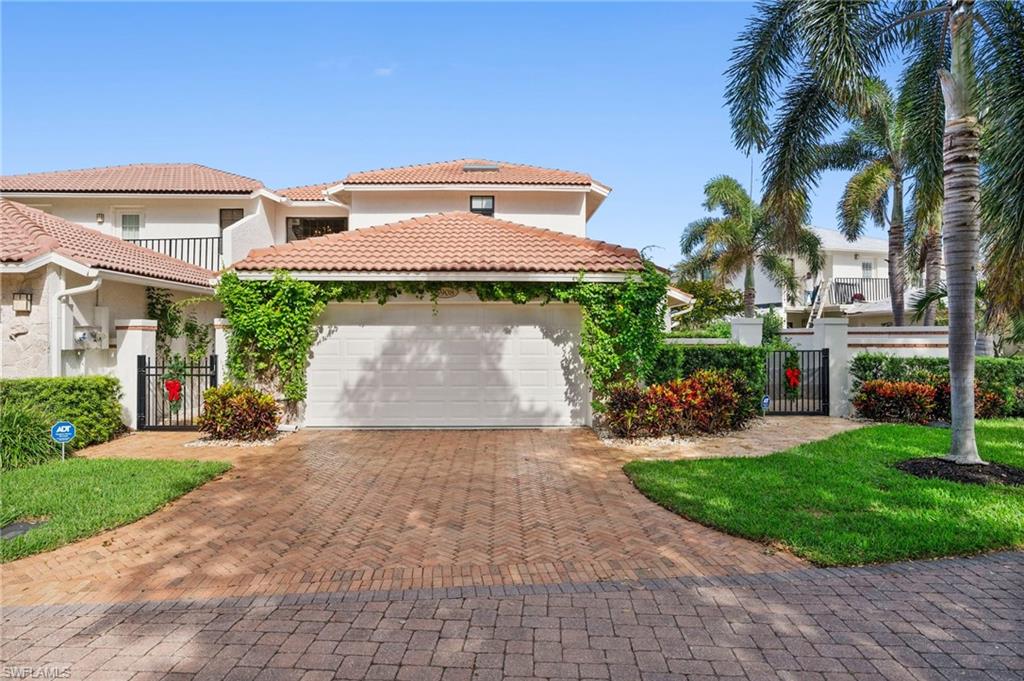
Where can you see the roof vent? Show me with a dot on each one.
(480, 167)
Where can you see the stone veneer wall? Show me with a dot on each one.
(25, 342)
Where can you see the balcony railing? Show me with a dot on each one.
(203, 251)
(846, 290)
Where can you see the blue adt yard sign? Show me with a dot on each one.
(62, 432)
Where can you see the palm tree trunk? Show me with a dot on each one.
(960, 220)
(897, 273)
(749, 293)
(932, 270)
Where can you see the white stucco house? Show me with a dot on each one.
(465, 363)
(854, 283)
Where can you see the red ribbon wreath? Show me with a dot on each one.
(173, 388)
(793, 377)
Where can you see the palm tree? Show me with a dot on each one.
(876, 148)
(742, 238)
(969, 55)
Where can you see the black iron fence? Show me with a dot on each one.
(846, 290)
(171, 397)
(202, 251)
(797, 382)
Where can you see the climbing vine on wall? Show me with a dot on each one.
(273, 322)
(173, 321)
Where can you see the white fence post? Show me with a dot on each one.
(221, 329)
(833, 334)
(134, 337)
(747, 330)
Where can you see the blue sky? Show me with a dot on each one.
(294, 94)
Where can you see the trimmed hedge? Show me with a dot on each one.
(1001, 375)
(92, 403)
(745, 364)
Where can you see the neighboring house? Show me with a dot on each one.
(854, 283)
(63, 288)
(466, 363)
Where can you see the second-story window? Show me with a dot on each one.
(482, 205)
(229, 216)
(867, 269)
(130, 224)
(304, 228)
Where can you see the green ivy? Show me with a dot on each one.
(173, 322)
(273, 322)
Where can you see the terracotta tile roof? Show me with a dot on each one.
(446, 242)
(307, 192)
(145, 178)
(26, 233)
(455, 172)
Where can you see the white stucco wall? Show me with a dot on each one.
(563, 211)
(164, 217)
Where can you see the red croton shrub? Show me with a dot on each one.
(987, 404)
(895, 401)
(235, 412)
(705, 402)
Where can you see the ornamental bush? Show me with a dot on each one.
(706, 402)
(895, 401)
(92, 403)
(744, 365)
(24, 437)
(236, 412)
(987, 404)
(1003, 376)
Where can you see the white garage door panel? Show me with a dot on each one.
(469, 364)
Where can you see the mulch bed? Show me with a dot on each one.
(991, 474)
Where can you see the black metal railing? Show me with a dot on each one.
(809, 395)
(160, 404)
(202, 251)
(846, 290)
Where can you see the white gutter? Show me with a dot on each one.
(78, 290)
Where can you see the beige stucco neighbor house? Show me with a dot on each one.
(465, 363)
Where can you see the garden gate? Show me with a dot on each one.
(797, 382)
(170, 395)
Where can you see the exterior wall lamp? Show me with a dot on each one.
(22, 302)
(99, 218)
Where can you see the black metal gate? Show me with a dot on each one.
(162, 405)
(804, 391)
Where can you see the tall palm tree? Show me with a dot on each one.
(969, 51)
(875, 147)
(743, 238)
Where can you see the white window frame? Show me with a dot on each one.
(120, 211)
(867, 269)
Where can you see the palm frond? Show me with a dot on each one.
(808, 114)
(808, 247)
(926, 299)
(862, 196)
(695, 234)
(779, 271)
(726, 193)
(759, 61)
(849, 153)
(1001, 66)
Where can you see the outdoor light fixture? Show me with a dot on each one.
(22, 302)
(99, 218)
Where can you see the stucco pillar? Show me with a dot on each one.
(747, 330)
(134, 337)
(834, 334)
(221, 329)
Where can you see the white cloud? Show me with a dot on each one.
(383, 71)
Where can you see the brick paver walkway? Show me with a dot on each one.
(954, 619)
(334, 511)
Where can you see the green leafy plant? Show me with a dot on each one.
(24, 437)
(745, 365)
(174, 381)
(771, 328)
(236, 412)
(273, 322)
(895, 401)
(173, 322)
(92, 403)
(719, 329)
(712, 303)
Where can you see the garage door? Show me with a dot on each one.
(463, 365)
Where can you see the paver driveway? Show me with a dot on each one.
(353, 510)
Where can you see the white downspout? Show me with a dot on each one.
(63, 299)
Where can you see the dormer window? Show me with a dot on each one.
(482, 205)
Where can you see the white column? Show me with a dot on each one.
(747, 330)
(832, 333)
(221, 329)
(134, 337)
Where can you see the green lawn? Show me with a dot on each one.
(83, 497)
(840, 502)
